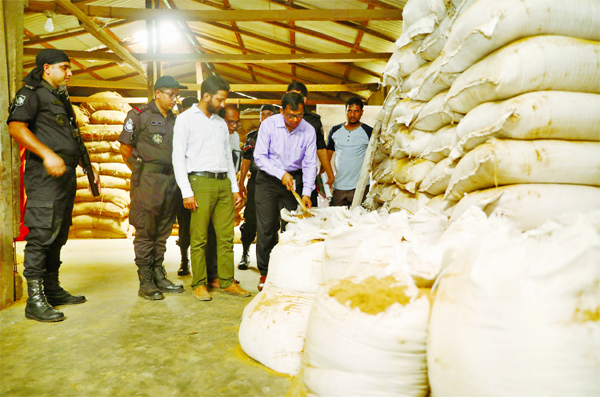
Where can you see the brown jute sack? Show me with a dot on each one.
(94, 233)
(106, 181)
(102, 104)
(101, 222)
(108, 117)
(115, 169)
(101, 132)
(108, 157)
(103, 147)
(81, 116)
(115, 196)
(100, 208)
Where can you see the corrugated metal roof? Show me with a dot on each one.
(223, 40)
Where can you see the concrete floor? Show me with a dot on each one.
(118, 344)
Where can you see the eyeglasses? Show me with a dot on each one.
(293, 116)
(233, 122)
(171, 95)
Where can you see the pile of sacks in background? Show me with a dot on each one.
(349, 308)
(494, 104)
(105, 216)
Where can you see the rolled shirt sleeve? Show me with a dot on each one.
(180, 137)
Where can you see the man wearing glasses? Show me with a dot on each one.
(286, 155)
(147, 146)
(231, 115)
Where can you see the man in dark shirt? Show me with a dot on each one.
(147, 147)
(248, 228)
(39, 122)
(315, 121)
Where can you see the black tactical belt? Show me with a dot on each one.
(158, 168)
(213, 175)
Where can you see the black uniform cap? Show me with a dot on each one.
(48, 56)
(167, 82)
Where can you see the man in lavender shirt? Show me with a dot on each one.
(286, 155)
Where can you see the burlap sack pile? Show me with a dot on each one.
(105, 216)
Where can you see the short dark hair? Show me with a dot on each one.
(189, 101)
(293, 99)
(297, 86)
(355, 101)
(268, 107)
(223, 112)
(213, 84)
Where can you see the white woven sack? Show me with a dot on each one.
(415, 10)
(403, 62)
(507, 162)
(516, 314)
(535, 115)
(418, 31)
(532, 64)
(296, 267)
(530, 205)
(430, 82)
(436, 181)
(442, 143)
(435, 114)
(351, 353)
(410, 142)
(407, 202)
(384, 172)
(409, 173)
(415, 77)
(341, 243)
(405, 112)
(273, 328)
(490, 24)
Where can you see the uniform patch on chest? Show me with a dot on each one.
(156, 123)
(157, 138)
(61, 119)
(128, 125)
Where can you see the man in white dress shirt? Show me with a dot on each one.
(204, 172)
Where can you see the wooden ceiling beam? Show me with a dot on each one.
(263, 58)
(68, 35)
(133, 14)
(103, 37)
(380, 4)
(360, 28)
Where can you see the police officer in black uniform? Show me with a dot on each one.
(147, 146)
(39, 121)
(248, 228)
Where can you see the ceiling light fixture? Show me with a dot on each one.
(49, 25)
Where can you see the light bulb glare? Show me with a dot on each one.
(49, 25)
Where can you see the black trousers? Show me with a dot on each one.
(271, 196)
(184, 217)
(248, 228)
(152, 213)
(48, 216)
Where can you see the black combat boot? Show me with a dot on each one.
(162, 283)
(184, 269)
(148, 289)
(243, 265)
(56, 295)
(38, 307)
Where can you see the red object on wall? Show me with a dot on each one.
(23, 230)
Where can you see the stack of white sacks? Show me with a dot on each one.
(494, 104)
(478, 276)
(106, 216)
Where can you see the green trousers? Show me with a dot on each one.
(215, 202)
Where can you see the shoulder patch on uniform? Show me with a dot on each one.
(20, 100)
(128, 125)
(140, 109)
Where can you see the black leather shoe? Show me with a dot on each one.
(243, 265)
(148, 289)
(38, 307)
(56, 295)
(163, 284)
(184, 269)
